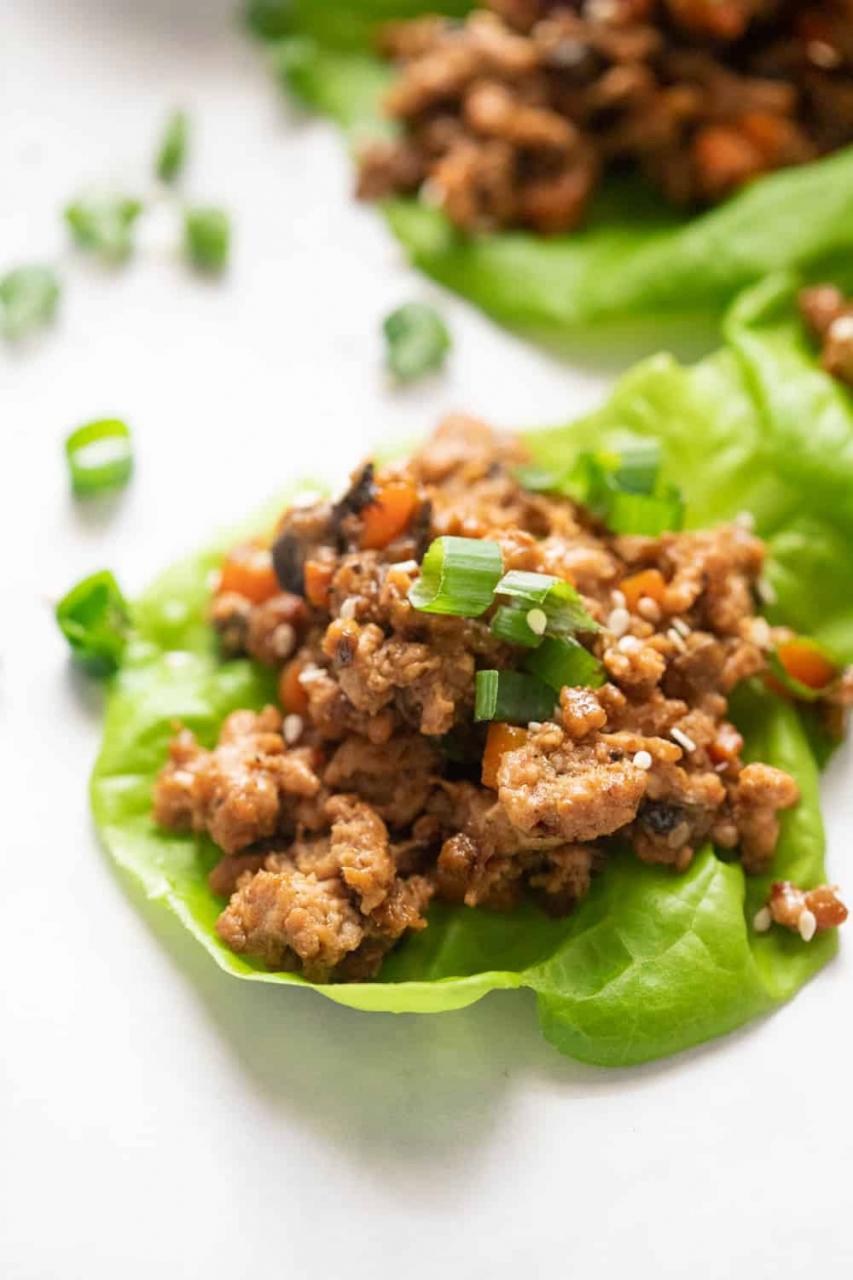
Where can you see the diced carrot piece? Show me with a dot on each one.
(727, 745)
(318, 579)
(500, 739)
(649, 582)
(387, 516)
(291, 695)
(803, 661)
(248, 571)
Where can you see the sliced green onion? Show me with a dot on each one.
(103, 224)
(28, 298)
(637, 466)
(100, 456)
(512, 697)
(417, 341)
(458, 577)
(94, 618)
(560, 601)
(207, 237)
(561, 661)
(645, 514)
(512, 626)
(269, 19)
(539, 479)
(172, 151)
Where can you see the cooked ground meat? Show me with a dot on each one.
(828, 315)
(341, 814)
(512, 117)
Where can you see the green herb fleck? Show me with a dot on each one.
(94, 618)
(100, 456)
(172, 152)
(417, 341)
(207, 237)
(103, 224)
(28, 299)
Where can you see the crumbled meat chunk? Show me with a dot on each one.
(829, 317)
(760, 792)
(359, 842)
(788, 903)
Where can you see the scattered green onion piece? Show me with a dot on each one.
(560, 601)
(637, 467)
(100, 456)
(802, 692)
(207, 237)
(561, 661)
(94, 618)
(512, 626)
(269, 19)
(645, 514)
(512, 697)
(172, 151)
(417, 341)
(28, 298)
(538, 479)
(458, 577)
(103, 224)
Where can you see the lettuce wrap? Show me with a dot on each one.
(639, 269)
(651, 962)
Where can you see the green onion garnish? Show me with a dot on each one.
(561, 661)
(28, 298)
(559, 600)
(417, 341)
(512, 626)
(103, 224)
(100, 456)
(207, 238)
(512, 697)
(645, 514)
(94, 619)
(269, 18)
(172, 151)
(458, 577)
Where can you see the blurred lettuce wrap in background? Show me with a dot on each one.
(637, 266)
(651, 962)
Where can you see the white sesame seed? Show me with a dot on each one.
(683, 739)
(618, 599)
(760, 633)
(762, 920)
(683, 628)
(629, 644)
(643, 760)
(721, 767)
(291, 729)
(841, 330)
(537, 621)
(619, 621)
(310, 673)
(745, 520)
(648, 608)
(766, 591)
(405, 566)
(676, 639)
(823, 55)
(306, 498)
(807, 925)
(348, 608)
(534, 725)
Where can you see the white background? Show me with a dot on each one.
(157, 1117)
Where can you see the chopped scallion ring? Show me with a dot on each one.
(100, 456)
(458, 577)
(561, 661)
(559, 600)
(645, 514)
(512, 626)
(94, 618)
(512, 696)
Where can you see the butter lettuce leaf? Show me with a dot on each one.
(638, 269)
(651, 962)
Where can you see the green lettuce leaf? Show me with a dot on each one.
(636, 270)
(652, 962)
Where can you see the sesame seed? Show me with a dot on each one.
(676, 639)
(766, 591)
(534, 725)
(618, 599)
(760, 633)
(683, 628)
(823, 55)
(406, 566)
(306, 498)
(291, 729)
(310, 673)
(683, 739)
(629, 644)
(721, 767)
(348, 608)
(745, 520)
(841, 330)
(537, 621)
(619, 621)
(762, 920)
(807, 925)
(643, 760)
(648, 608)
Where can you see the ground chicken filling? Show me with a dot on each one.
(372, 790)
(512, 117)
(828, 316)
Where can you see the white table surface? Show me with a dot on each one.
(162, 1119)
